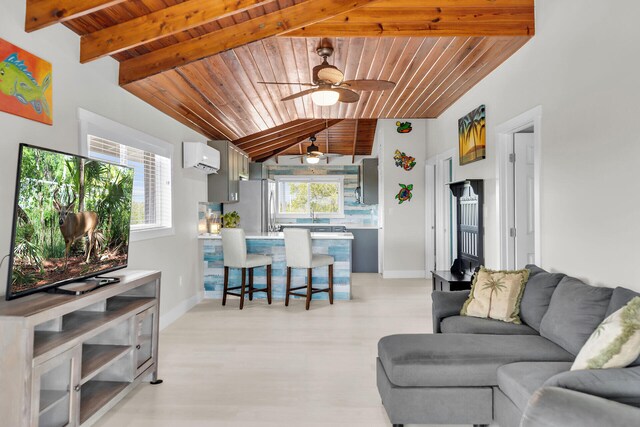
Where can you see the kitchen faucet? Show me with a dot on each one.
(313, 215)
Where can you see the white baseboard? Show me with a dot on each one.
(179, 311)
(403, 274)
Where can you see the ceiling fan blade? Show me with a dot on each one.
(286, 83)
(347, 95)
(330, 75)
(368, 84)
(299, 94)
(332, 155)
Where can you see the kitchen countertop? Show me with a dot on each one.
(320, 224)
(280, 235)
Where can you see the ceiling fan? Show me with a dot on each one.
(314, 155)
(329, 86)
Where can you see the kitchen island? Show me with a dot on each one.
(337, 245)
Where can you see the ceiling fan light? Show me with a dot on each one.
(325, 97)
(312, 160)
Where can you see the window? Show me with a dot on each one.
(151, 214)
(302, 196)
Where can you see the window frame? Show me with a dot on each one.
(92, 124)
(339, 179)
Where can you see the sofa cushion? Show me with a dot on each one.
(619, 298)
(575, 311)
(552, 406)
(476, 325)
(619, 384)
(458, 360)
(519, 380)
(537, 295)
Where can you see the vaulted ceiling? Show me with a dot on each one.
(199, 61)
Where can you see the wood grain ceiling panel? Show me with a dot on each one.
(222, 90)
(339, 138)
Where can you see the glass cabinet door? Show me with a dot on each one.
(145, 324)
(55, 390)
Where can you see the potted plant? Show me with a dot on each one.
(230, 219)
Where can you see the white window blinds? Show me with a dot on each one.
(151, 204)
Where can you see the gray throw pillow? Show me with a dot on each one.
(575, 311)
(537, 295)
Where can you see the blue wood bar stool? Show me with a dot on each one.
(297, 245)
(234, 250)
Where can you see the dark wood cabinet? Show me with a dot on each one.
(446, 281)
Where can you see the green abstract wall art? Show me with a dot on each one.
(404, 195)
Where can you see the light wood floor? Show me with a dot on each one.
(277, 366)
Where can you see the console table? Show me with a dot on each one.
(445, 281)
(66, 360)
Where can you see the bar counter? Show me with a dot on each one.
(337, 245)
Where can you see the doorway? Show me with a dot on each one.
(440, 212)
(519, 190)
(522, 230)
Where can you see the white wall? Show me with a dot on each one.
(404, 224)
(582, 68)
(94, 87)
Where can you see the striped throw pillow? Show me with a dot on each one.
(615, 343)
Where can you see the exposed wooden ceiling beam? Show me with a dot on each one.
(42, 13)
(428, 19)
(271, 24)
(162, 23)
(285, 147)
(275, 133)
(355, 142)
(266, 147)
(289, 141)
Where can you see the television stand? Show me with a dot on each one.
(68, 359)
(84, 286)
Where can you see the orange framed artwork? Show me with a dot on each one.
(472, 136)
(25, 84)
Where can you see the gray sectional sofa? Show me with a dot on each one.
(477, 371)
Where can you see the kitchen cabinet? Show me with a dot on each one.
(364, 256)
(258, 171)
(224, 187)
(369, 182)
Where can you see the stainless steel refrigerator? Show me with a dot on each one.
(257, 205)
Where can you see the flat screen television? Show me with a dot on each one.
(71, 220)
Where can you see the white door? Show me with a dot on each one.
(524, 189)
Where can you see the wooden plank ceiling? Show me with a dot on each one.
(199, 61)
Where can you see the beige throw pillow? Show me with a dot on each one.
(496, 295)
(615, 343)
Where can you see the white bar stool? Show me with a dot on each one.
(297, 245)
(234, 251)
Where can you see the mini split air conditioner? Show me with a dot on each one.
(200, 156)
